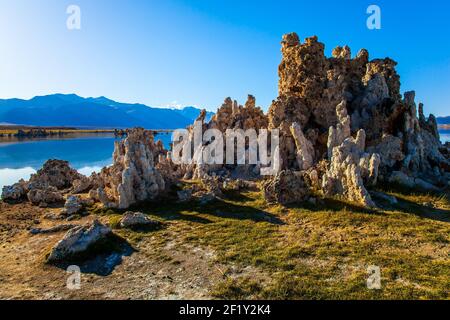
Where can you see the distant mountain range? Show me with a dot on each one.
(443, 120)
(71, 110)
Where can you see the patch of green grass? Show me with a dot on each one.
(318, 252)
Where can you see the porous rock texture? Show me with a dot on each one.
(350, 167)
(286, 187)
(77, 241)
(230, 115)
(312, 85)
(73, 205)
(134, 176)
(45, 187)
(331, 100)
(344, 126)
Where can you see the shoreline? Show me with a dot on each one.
(15, 128)
(21, 133)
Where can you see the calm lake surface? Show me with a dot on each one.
(88, 153)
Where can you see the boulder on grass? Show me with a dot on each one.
(133, 220)
(78, 241)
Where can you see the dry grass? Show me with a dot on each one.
(241, 248)
(321, 252)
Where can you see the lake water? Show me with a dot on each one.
(20, 159)
(87, 153)
(445, 135)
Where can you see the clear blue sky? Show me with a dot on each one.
(184, 52)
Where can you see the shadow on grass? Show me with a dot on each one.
(194, 211)
(423, 209)
(403, 205)
(335, 205)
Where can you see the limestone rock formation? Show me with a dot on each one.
(350, 167)
(45, 187)
(305, 149)
(77, 241)
(81, 185)
(367, 93)
(344, 125)
(134, 176)
(56, 173)
(400, 178)
(231, 115)
(338, 134)
(286, 187)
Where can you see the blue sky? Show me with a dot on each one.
(180, 52)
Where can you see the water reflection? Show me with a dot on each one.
(87, 154)
(11, 176)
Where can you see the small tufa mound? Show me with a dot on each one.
(134, 176)
(73, 205)
(286, 187)
(45, 187)
(55, 173)
(350, 167)
(136, 220)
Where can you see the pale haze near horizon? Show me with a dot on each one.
(177, 53)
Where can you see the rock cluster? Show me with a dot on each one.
(134, 176)
(312, 85)
(344, 126)
(286, 187)
(72, 206)
(324, 102)
(47, 186)
(231, 115)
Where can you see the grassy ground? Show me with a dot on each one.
(321, 251)
(241, 248)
